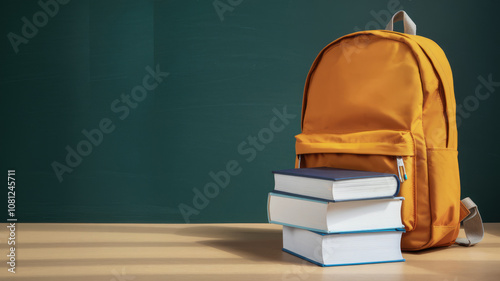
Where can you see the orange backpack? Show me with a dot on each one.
(383, 101)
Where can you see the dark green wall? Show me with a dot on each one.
(225, 78)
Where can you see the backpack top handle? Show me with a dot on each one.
(410, 26)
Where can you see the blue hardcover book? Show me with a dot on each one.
(344, 248)
(336, 184)
(328, 216)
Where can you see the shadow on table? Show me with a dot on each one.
(431, 251)
(229, 231)
(471, 265)
(454, 270)
(255, 244)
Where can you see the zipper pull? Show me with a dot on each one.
(401, 167)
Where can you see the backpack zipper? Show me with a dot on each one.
(401, 168)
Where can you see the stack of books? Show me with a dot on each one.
(336, 217)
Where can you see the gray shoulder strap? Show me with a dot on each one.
(473, 225)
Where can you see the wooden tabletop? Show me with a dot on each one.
(126, 252)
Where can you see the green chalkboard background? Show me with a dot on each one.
(227, 72)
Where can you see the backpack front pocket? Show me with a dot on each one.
(383, 151)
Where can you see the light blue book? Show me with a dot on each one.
(349, 248)
(328, 216)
